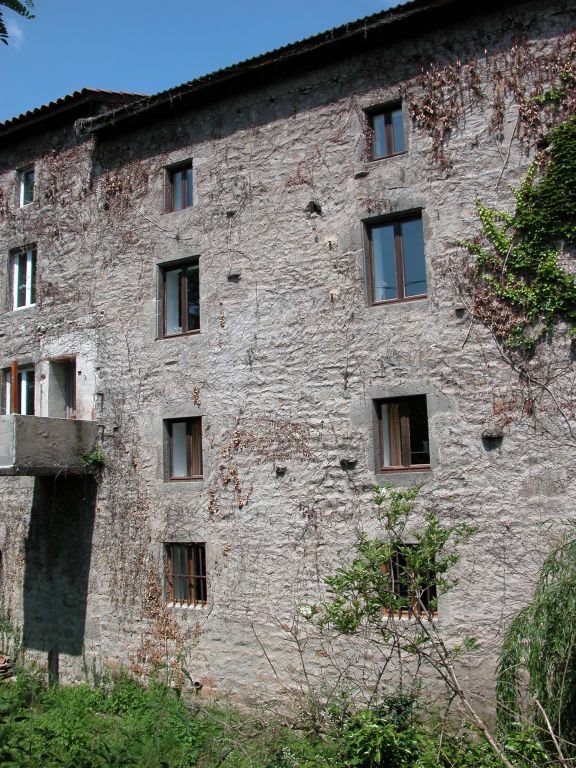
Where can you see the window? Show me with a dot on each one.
(179, 187)
(181, 298)
(387, 132)
(185, 448)
(26, 193)
(62, 388)
(186, 582)
(19, 399)
(397, 265)
(23, 278)
(403, 428)
(412, 592)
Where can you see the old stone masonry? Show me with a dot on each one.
(228, 310)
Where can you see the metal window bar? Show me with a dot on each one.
(186, 574)
(409, 603)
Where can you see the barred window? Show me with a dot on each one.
(186, 581)
(412, 593)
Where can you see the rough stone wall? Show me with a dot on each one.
(288, 363)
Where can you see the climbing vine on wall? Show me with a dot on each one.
(539, 82)
(521, 283)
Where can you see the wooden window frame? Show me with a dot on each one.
(386, 111)
(164, 269)
(171, 172)
(29, 252)
(417, 605)
(405, 450)
(197, 578)
(194, 458)
(22, 176)
(399, 259)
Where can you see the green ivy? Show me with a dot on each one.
(518, 255)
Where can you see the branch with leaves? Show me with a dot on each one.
(21, 8)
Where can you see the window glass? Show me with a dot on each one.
(26, 187)
(397, 260)
(182, 299)
(185, 446)
(397, 130)
(380, 139)
(193, 298)
(180, 573)
(179, 188)
(418, 422)
(173, 294)
(387, 132)
(384, 260)
(177, 191)
(23, 275)
(179, 444)
(413, 253)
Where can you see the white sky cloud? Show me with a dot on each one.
(15, 33)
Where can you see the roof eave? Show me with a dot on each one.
(402, 21)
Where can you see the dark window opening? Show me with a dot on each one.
(186, 580)
(397, 263)
(403, 428)
(62, 388)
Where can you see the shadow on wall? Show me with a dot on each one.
(58, 550)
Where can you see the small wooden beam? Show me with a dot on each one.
(15, 391)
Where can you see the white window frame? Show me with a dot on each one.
(30, 299)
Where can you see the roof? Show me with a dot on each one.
(88, 100)
(389, 26)
(402, 21)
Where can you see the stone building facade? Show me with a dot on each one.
(247, 298)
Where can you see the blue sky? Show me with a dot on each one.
(146, 46)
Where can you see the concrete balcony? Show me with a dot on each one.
(39, 445)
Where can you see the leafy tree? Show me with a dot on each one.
(537, 666)
(22, 8)
(392, 576)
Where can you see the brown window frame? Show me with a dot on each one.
(404, 404)
(194, 459)
(194, 554)
(396, 222)
(401, 586)
(386, 111)
(187, 186)
(183, 297)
